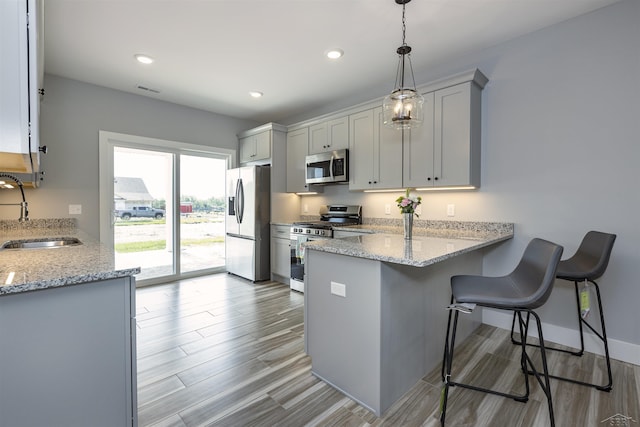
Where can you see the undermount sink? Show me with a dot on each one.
(55, 242)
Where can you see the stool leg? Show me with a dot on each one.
(581, 352)
(447, 364)
(446, 342)
(603, 337)
(546, 386)
(524, 327)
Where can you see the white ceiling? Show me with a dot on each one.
(211, 53)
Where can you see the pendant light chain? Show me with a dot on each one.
(404, 25)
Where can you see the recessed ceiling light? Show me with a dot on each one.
(334, 53)
(143, 59)
(256, 94)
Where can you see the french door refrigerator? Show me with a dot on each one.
(247, 220)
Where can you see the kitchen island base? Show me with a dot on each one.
(67, 356)
(373, 329)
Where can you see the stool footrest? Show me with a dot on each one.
(519, 398)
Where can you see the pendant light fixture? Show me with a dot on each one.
(402, 108)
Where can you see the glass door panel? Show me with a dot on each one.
(143, 203)
(202, 192)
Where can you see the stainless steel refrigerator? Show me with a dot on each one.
(247, 217)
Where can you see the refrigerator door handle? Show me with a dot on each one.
(240, 199)
(235, 202)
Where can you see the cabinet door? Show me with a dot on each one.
(247, 148)
(361, 150)
(281, 257)
(297, 144)
(417, 168)
(387, 155)
(328, 136)
(452, 136)
(338, 133)
(14, 86)
(318, 141)
(263, 146)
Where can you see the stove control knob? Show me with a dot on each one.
(317, 231)
(308, 231)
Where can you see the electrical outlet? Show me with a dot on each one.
(387, 209)
(75, 209)
(339, 289)
(419, 210)
(451, 210)
(305, 208)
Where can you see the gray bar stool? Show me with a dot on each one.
(523, 290)
(588, 263)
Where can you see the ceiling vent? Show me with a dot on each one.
(148, 89)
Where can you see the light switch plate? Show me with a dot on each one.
(75, 209)
(387, 209)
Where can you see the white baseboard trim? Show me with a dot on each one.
(619, 350)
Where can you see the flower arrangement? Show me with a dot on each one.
(407, 203)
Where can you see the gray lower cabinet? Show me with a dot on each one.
(280, 253)
(67, 356)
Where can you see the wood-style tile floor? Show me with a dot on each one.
(221, 351)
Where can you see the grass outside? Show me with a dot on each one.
(154, 245)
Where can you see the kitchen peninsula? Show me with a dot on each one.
(67, 335)
(375, 313)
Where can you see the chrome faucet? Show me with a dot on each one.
(24, 212)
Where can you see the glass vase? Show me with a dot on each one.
(407, 219)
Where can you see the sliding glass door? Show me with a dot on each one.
(201, 213)
(143, 195)
(167, 207)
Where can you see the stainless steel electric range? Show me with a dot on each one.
(331, 216)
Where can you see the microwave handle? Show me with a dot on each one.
(333, 156)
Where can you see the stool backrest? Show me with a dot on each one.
(536, 271)
(593, 254)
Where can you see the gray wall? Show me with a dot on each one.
(72, 113)
(560, 153)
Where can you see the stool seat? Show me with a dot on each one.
(590, 260)
(528, 286)
(495, 292)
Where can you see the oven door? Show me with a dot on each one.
(297, 260)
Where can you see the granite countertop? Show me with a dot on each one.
(23, 270)
(428, 245)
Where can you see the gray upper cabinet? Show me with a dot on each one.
(21, 75)
(375, 152)
(297, 146)
(328, 136)
(445, 150)
(255, 148)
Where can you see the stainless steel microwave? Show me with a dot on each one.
(327, 168)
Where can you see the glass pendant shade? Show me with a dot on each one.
(402, 109)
